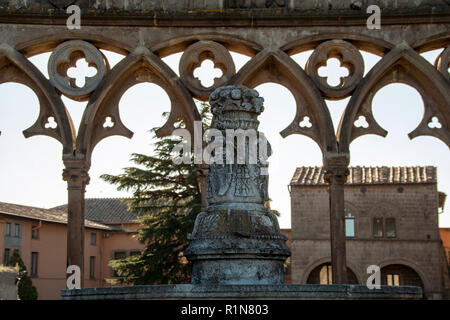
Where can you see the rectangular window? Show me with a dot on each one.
(7, 229)
(390, 228)
(120, 255)
(34, 232)
(135, 252)
(34, 264)
(393, 280)
(92, 267)
(93, 238)
(117, 256)
(349, 226)
(378, 227)
(6, 254)
(17, 230)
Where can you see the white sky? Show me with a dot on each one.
(31, 169)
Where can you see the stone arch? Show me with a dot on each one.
(139, 66)
(231, 42)
(351, 206)
(402, 65)
(278, 67)
(409, 264)
(386, 205)
(325, 260)
(49, 42)
(363, 42)
(14, 67)
(432, 42)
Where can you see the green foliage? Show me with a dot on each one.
(167, 198)
(26, 290)
(16, 261)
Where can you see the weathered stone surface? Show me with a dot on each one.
(177, 5)
(8, 288)
(237, 240)
(186, 291)
(223, 12)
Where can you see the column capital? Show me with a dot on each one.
(336, 167)
(336, 174)
(76, 173)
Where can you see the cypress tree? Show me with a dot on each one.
(25, 288)
(167, 197)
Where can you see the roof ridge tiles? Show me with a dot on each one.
(369, 175)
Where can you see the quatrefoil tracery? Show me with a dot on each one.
(65, 57)
(193, 57)
(349, 57)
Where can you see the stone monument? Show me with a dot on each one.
(237, 240)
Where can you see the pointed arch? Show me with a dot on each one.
(324, 260)
(14, 67)
(139, 66)
(410, 264)
(432, 42)
(401, 65)
(278, 67)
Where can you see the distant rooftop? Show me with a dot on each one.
(368, 175)
(48, 215)
(106, 210)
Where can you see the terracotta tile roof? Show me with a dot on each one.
(106, 210)
(369, 175)
(49, 215)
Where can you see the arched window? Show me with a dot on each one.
(323, 274)
(326, 275)
(349, 224)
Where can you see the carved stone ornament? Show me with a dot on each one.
(192, 59)
(350, 58)
(236, 230)
(64, 57)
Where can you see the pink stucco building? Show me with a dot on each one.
(40, 236)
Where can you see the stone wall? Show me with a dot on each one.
(228, 9)
(174, 5)
(417, 241)
(8, 288)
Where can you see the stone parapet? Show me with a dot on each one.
(282, 292)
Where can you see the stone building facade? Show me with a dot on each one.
(391, 219)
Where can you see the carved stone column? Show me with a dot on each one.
(336, 177)
(237, 240)
(77, 177)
